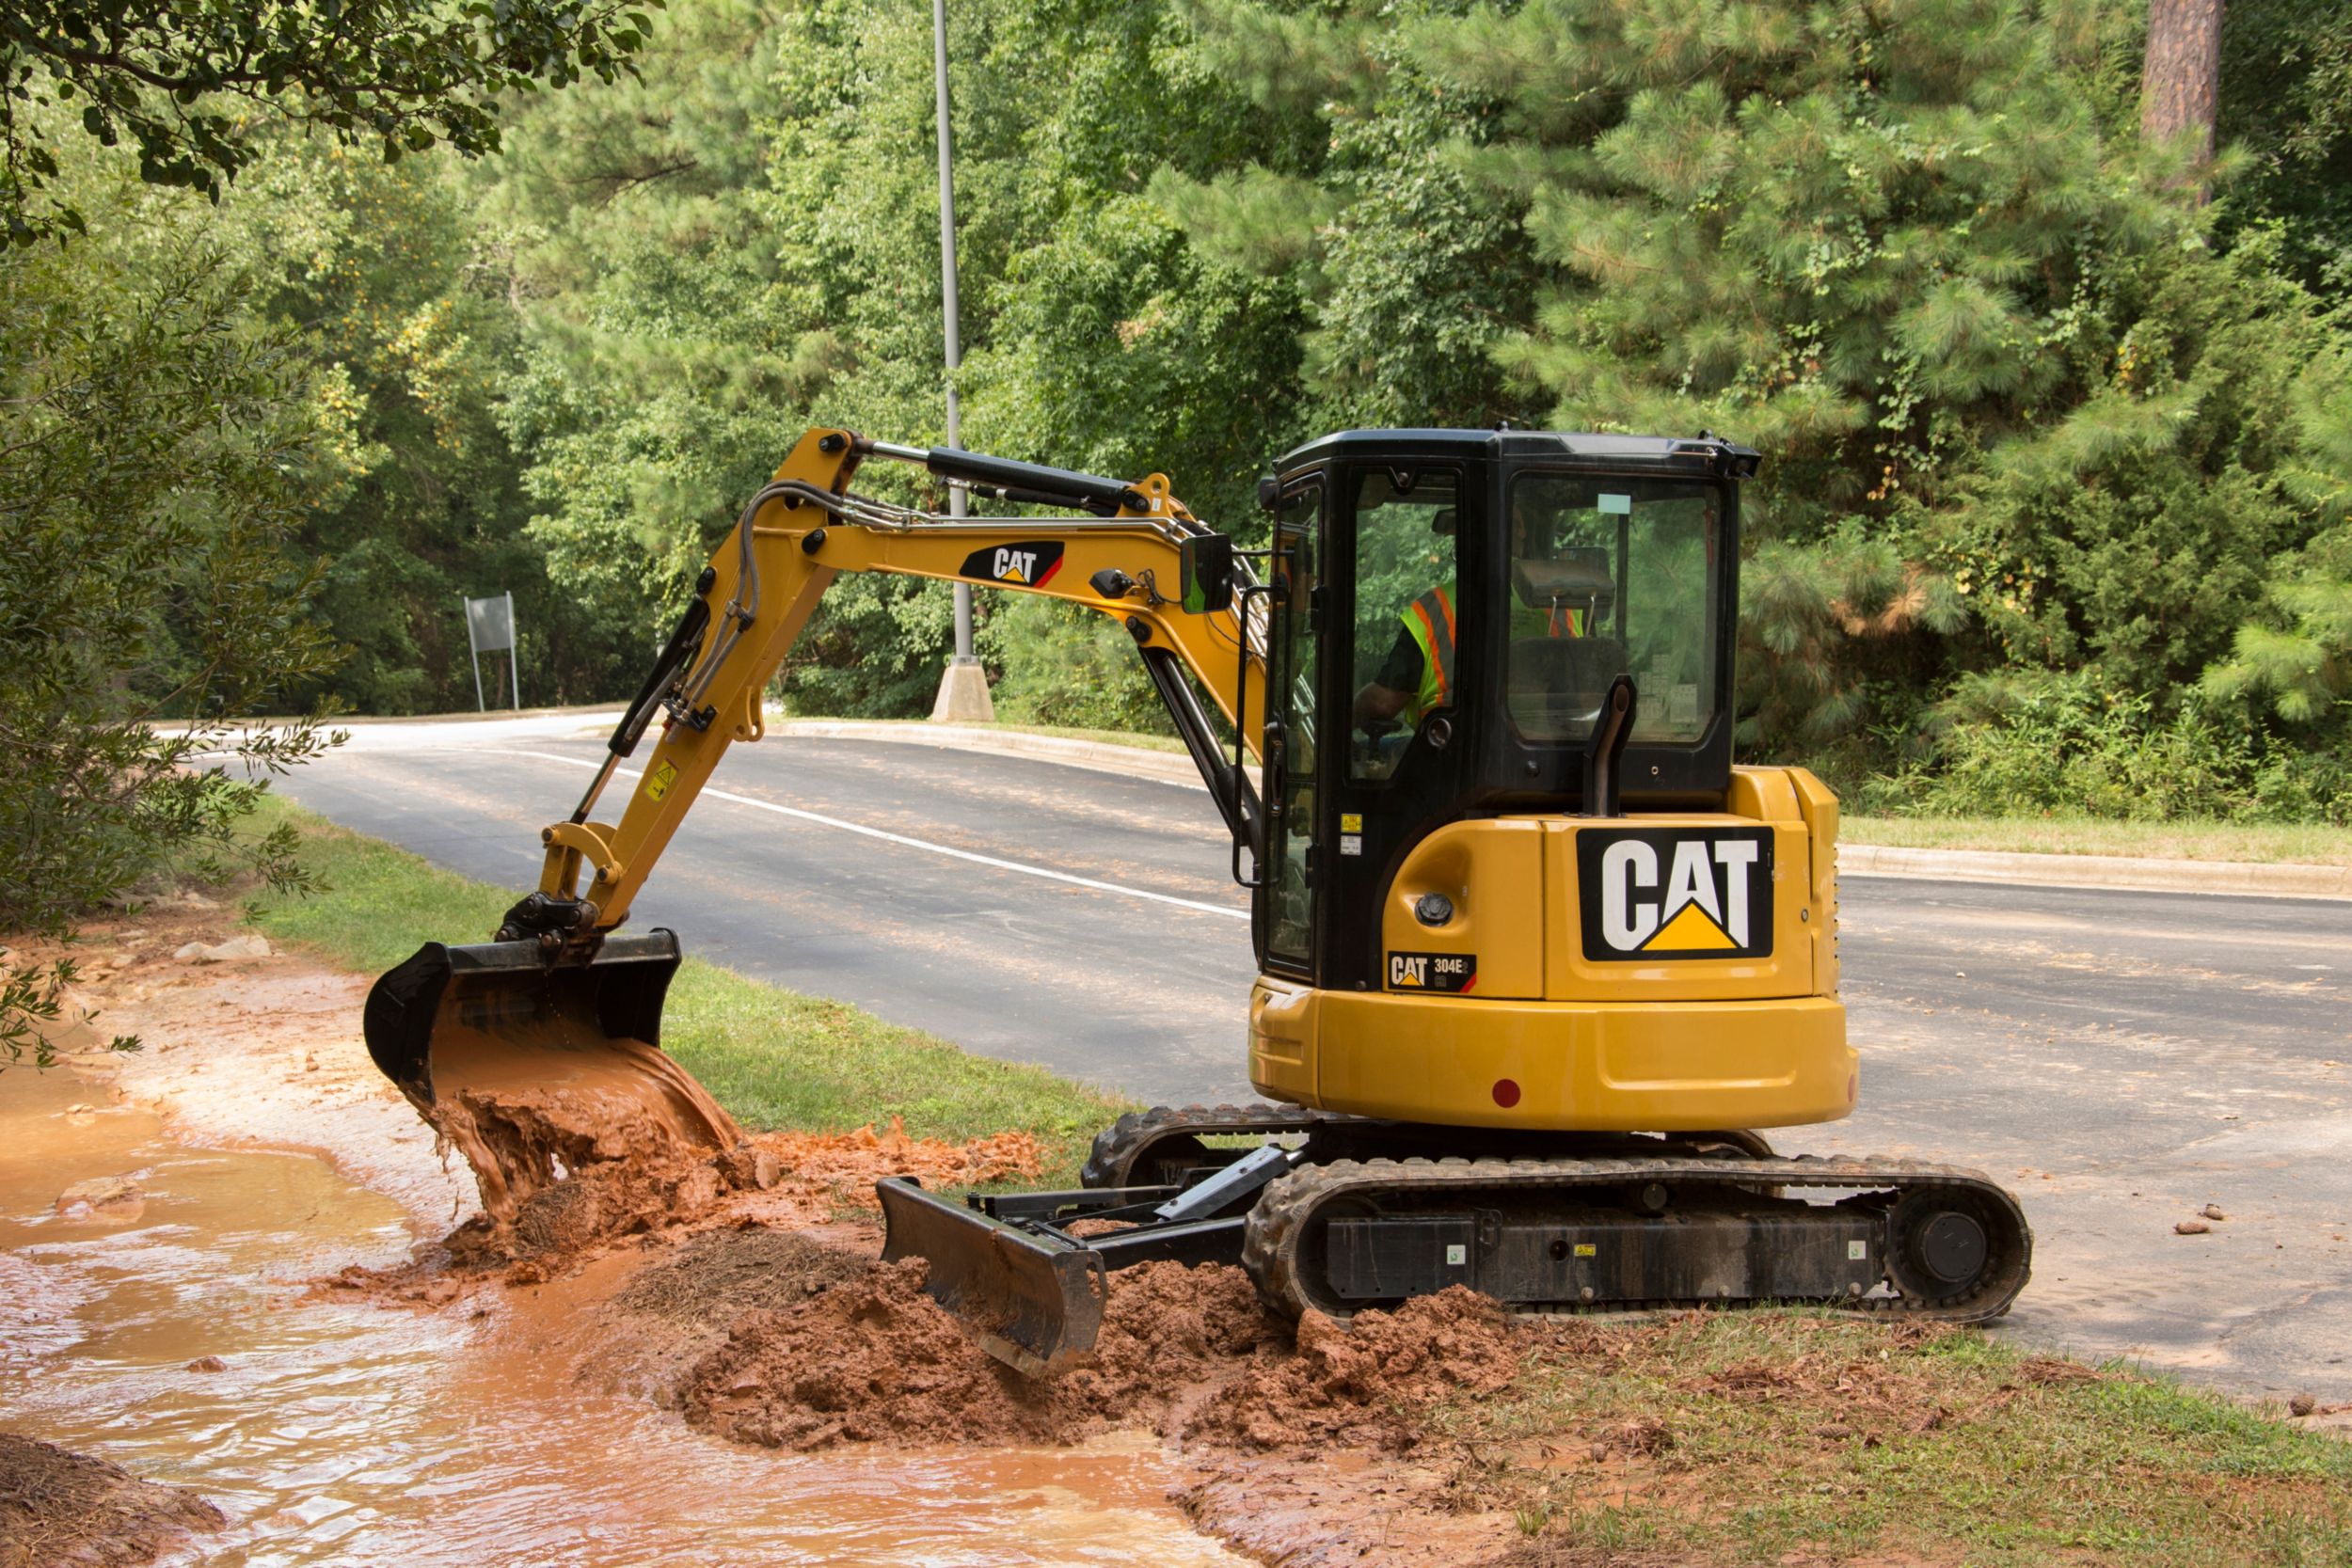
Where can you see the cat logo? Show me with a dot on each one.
(1030, 563)
(1446, 971)
(1676, 893)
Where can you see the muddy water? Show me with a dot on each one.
(352, 1435)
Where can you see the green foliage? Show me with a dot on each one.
(2286, 99)
(184, 80)
(155, 448)
(2033, 418)
(1078, 669)
(2064, 747)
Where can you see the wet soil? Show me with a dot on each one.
(63, 1508)
(426, 1388)
(480, 1419)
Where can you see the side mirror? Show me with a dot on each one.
(1207, 569)
(1269, 493)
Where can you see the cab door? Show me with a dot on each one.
(1402, 648)
(1287, 906)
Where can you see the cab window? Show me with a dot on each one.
(1609, 577)
(1403, 641)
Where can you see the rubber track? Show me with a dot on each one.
(1280, 1222)
(1120, 1147)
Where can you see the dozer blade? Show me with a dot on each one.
(1035, 1300)
(533, 1069)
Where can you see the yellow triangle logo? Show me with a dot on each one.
(1689, 931)
(1012, 573)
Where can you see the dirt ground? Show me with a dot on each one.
(71, 1511)
(742, 1289)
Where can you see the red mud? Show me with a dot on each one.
(1189, 1351)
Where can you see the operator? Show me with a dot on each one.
(1417, 678)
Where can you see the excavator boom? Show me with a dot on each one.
(556, 1003)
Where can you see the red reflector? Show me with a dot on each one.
(1506, 1093)
(1852, 1082)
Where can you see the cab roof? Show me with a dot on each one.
(1707, 449)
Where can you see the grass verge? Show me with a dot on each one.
(1785, 1437)
(2307, 844)
(772, 1056)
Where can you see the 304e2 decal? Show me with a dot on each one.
(1676, 893)
(1029, 563)
(1445, 971)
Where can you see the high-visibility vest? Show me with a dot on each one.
(1429, 621)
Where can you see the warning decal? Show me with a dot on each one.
(658, 783)
(1676, 893)
(1445, 971)
(1030, 563)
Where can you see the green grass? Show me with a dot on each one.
(2265, 843)
(772, 1056)
(1798, 1436)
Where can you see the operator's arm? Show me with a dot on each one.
(1125, 559)
(1387, 694)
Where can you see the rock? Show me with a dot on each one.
(2302, 1404)
(310, 1063)
(208, 1364)
(2212, 1211)
(113, 1199)
(234, 950)
(2191, 1227)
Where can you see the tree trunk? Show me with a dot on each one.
(2177, 85)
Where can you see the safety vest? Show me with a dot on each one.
(1429, 621)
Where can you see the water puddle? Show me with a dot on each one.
(343, 1432)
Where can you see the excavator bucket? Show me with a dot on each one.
(534, 1070)
(1034, 1299)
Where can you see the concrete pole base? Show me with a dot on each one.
(964, 695)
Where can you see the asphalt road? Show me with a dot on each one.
(2120, 1059)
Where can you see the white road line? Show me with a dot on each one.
(900, 839)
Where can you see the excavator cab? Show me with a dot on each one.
(1452, 610)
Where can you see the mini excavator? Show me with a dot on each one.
(1538, 962)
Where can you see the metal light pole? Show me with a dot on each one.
(963, 686)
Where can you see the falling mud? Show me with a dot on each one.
(557, 1098)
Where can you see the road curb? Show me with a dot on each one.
(2116, 873)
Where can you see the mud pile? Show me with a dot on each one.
(1354, 1386)
(59, 1507)
(1188, 1352)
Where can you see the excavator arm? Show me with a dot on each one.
(477, 1036)
(1132, 552)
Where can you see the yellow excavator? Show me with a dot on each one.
(1537, 959)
